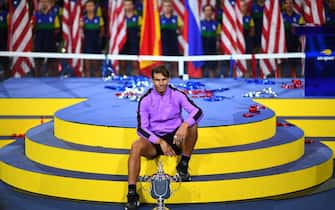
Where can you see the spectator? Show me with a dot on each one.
(170, 25)
(257, 15)
(46, 28)
(248, 33)
(291, 19)
(209, 35)
(93, 26)
(330, 13)
(97, 9)
(4, 61)
(131, 47)
(248, 28)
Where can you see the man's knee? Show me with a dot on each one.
(194, 127)
(193, 131)
(138, 147)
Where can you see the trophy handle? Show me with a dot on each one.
(142, 179)
(174, 180)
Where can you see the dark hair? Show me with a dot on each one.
(90, 1)
(160, 70)
(208, 5)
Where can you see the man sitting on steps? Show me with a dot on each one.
(162, 129)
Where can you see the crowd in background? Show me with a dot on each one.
(47, 23)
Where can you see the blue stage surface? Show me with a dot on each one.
(105, 109)
(108, 110)
(94, 87)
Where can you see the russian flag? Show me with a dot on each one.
(192, 36)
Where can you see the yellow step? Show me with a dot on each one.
(312, 169)
(300, 107)
(43, 147)
(315, 126)
(34, 106)
(122, 138)
(10, 126)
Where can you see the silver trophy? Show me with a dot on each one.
(160, 186)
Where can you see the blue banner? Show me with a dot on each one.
(320, 60)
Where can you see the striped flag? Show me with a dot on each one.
(178, 6)
(35, 4)
(72, 33)
(273, 36)
(314, 15)
(206, 2)
(232, 33)
(298, 6)
(20, 36)
(312, 11)
(150, 41)
(117, 27)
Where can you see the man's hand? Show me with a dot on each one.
(181, 134)
(166, 148)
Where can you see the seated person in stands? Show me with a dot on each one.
(162, 129)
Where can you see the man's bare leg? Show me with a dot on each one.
(187, 149)
(190, 141)
(140, 147)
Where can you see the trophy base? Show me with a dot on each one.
(160, 208)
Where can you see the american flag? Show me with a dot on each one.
(178, 6)
(72, 33)
(232, 32)
(311, 10)
(117, 27)
(273, 36)
(35, 4)
(20, 36)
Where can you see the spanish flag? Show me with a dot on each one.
(150, 42)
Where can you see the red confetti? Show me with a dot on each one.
(248, 115)
(280, 124)
(308, 141)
